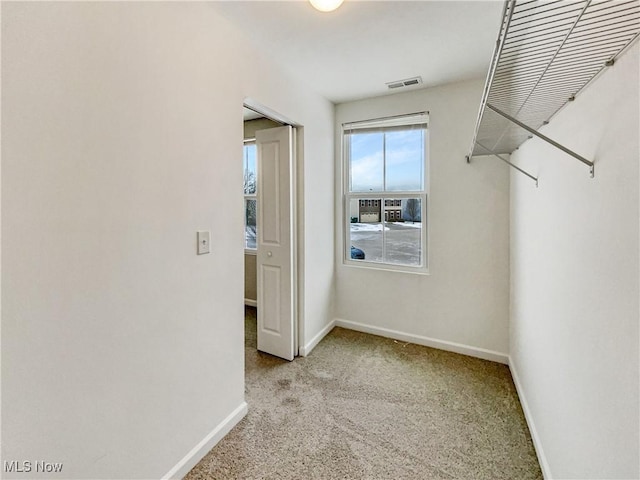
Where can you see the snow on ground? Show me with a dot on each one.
(377, 227)
(409, 224)
(367, 227)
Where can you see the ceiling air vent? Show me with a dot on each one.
(408, 82)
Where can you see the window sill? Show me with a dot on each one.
(382, 267)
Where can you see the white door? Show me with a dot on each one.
(275, 242)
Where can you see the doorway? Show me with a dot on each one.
(271, 238)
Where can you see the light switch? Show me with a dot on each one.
(204, 238)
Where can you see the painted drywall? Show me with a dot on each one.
(121, 348)
(250, 278)
(574, 282)
(465, 298)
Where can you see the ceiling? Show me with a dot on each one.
(353, 52)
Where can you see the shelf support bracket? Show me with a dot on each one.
(543, 137)
(507, 162)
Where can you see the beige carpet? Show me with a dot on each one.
(366, 407)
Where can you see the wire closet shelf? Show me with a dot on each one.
(546, 53)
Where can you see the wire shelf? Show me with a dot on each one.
(547, 52)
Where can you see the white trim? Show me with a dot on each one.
(198, 452)
(251, 303)
(408, 120)
(537, 443)
(257, 107)
(426, 341)
(299, 323)
(306, 350)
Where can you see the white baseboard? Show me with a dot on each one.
(207, 443)
(426, 341)
(537, 444)
(306, 350)
(250, 303)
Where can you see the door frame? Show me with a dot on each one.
(297, 215)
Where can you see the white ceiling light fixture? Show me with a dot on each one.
(326, 5)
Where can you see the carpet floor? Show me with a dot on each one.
(367, 407)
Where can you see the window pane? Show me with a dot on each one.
(403, 234)
(365, 232)
(250, 172)
(366, 162)
(404, 151)
(250, 232)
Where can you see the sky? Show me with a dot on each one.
(250, 162)
(404, 158)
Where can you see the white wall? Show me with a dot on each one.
(574, 281)
(122, 349)
(464, 300)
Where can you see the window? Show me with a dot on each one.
(250, 195)
(385, 193)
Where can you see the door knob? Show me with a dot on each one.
(269, 254)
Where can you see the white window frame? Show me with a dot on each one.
(249, 196)
(421, 118)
